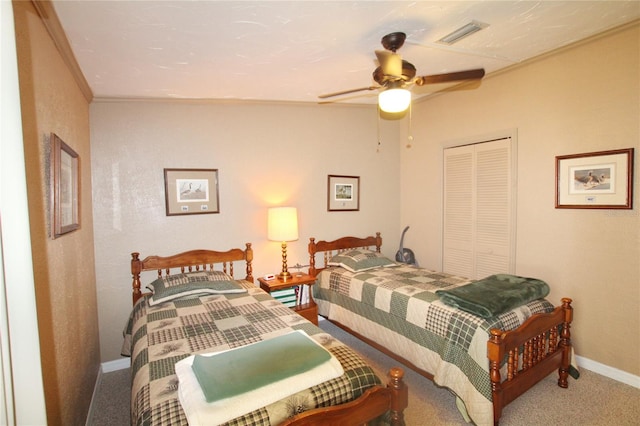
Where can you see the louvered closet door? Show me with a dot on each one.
(478, 209)
(459, 215)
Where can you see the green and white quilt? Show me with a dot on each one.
(156, 337)
(397, 307)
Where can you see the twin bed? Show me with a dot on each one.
(487, 354)
(197, 307)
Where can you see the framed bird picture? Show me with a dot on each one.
(65, 195)
(191, 191)
(595, 180)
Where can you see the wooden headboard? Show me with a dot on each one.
(194, 260)
(330, 248)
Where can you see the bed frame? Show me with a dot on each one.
(375, 402)
(543, 348)
(188, 261)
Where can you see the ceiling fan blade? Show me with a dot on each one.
(345, 92)
(390, 62)
(474, 74)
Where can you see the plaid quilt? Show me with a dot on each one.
(156, 337)
(397, 308)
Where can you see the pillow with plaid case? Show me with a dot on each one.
(171, 287)
(360, 260)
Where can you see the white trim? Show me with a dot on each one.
(610, 372)
(115, 365)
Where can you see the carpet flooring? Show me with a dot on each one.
(591, 400)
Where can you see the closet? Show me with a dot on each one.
(479, 208)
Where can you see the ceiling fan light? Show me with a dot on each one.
(394, 100)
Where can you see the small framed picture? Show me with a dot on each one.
(64, 188)
(191, 191)
(595, 180)
(343, 193)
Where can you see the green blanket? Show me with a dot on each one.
(250, 367)
(495, 294)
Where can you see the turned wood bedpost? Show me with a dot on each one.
(565, 343)
(400, 396)
(248, 260)
(495, 352)
(378, 242)
(136, 268)
(312, 256)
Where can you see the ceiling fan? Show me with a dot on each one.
(395, 75)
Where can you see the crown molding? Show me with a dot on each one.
(51, 22)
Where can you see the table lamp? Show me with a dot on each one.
(282, 225)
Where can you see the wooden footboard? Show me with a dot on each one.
(372, 404)
(541, 345)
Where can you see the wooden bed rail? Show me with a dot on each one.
(188, 261)
(327, 248)
(549, 349)
(373, 403)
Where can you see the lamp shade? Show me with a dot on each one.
(282, 224)
(394, 100)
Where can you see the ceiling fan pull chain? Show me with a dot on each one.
(378, 128)
(410, 137)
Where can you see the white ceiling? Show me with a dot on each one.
(297, 50)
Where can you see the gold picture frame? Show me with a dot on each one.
(343, 193)
(191, 191)
(65, 197)
(595, 180)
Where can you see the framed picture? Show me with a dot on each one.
(595, 180)
(191, 191)
(343, 193)
(64, 188)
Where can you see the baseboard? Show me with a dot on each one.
(105, 367)
(115, 365)
(88, 422)
(610, 372)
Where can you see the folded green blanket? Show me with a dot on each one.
(495, 294)
(243, 369)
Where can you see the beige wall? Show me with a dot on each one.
(266, 154)
(64, 276)
(583, 99)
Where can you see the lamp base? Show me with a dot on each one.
(285, 275)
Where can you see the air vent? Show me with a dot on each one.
(462, 32)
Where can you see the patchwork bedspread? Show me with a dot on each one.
(397, 308)
(156, 337)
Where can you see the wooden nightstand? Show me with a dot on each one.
(307, 310)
